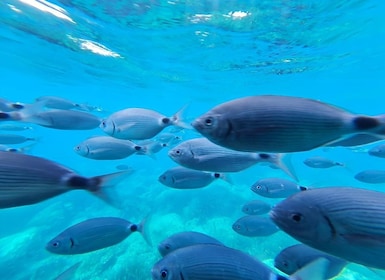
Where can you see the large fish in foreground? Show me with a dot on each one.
(281, 124)
(214, 262)
(26, 179)
(343, 221)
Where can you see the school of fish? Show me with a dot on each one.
(334, 225)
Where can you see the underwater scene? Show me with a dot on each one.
(154, 139)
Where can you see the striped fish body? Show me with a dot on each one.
(91, 235)
(66, 119)
(209, 262)
(184, 178)
(273, 123)
(201, 154)
(26, 179)
(343, 221)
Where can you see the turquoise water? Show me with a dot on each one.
(163, 55)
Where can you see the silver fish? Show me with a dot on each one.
(293, 258)
(66, 119)
(139, 123)
(343, 221)
(321, 162)
(256, 207)
(371, 176)
(184, 178)
(213, 262)
(106, 148)
(26, 179)
(91, 235)
(377, 151)
(254, 226)
(276, 187)
(56, 102)
(201, 154)
(14, 127)
(185, 239)
(281, 124)
(14, 139)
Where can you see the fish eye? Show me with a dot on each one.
(167, 246)
(209, 121)
(297, 217)
(104, 124)
(237, 226)
(285, 264)
(56, 244)
(77, 148)
(178, 152)
(163, 273)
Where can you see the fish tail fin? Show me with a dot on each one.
(30, 111)
(105, 186)
(225, 177)
(177, 118)
(142, 228)
(284, 163)
(315, 270)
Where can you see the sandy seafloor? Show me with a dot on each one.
(171, 55)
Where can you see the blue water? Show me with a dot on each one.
(163, 55)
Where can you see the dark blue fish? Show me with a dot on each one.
(26, 179)
(91, 235)
(184, 239)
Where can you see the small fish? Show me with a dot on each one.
(256, 207)
(282, 124)
(214, 262)
(371, 176)
(293, 258)
(139, 123)
(276, 187)
(14, 127)
(255, 226)
(14, 139)
(66, 119)
(26, 179)
(91, 235)
(378, 151)
(56, 102)
(201, 154)
(184, 178)
(321, 162)
(170, 139)
(22, 150)
(185, 239)
(345, 222)
(106, 148)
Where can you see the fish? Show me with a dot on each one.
(276, 187)
(254, 226)
(66, 119)
(256, 207)
(201, 154)
(371, 176)
(185, 239)
(294, 257)
(9, 106)
(139, 123)
(282, 124)
(213, 262)
(321, 162)
(27, 179)
(56, 102)
(14, 139)
(14, 127)
(184, 178)
(346, 222)
(377, 151)
(107, 148)
(24, 149)
(91, 235)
